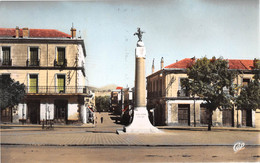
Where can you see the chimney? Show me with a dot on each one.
(153, 67)
(17, 32)
(73, 32)
(255, 62)
(25, 32)
(162, 63)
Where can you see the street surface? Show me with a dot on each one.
(127, 154)
(101, 144)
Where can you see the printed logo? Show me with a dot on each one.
(238, 146)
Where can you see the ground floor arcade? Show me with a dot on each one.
(187, 112)
(60, 109)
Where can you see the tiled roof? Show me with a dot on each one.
(233, 64)
(119, 87)
(35, 33)
(185, 63)
(241, 64)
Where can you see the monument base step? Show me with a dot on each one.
(141, 123)
(120, 131)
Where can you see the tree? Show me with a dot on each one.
(11, 92)
(249, 97)
(211, 80)
(102, 103)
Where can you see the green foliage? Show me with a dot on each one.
(249, 97)
(211, 80)
(102, 103)
(11, 92)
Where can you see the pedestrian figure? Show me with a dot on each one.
(101, 119)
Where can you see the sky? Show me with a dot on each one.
(174, 30)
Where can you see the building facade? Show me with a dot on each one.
(51, 65)
(172, 106)
(122, 103)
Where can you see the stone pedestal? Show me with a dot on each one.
(140, 123)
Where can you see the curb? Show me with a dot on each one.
(11, 127)
(212, 129)
(40, 126)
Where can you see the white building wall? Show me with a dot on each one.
(72, 111)
(217, 118)
(81, 57)
(46, 111)
(130, 95)
(83, 114)
(253, 118)
(22, 111)
(169, 111)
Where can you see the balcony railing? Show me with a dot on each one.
(62, 64)
(56, 90)
(182, 93)
(7, 62)
(33, 63)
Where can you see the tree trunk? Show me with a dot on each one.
(210, 120)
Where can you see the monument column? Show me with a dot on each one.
(141, 122)
(140, 75)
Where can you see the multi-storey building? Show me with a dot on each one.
(51, 65)
(122, 103)
(172, 106)
(115, 100)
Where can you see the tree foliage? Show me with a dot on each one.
(11, 92)
(249, 97)
(102, 103)
(211, 80)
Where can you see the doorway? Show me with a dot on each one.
(247, 118)
(184, 114)
(204, 116)
(33, 112)
(61, 111)
(228, 117)
(6, 115)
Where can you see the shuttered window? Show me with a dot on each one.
(33, 84)
(60, 56)
(33, 56)
(61, 83)
(6, 55)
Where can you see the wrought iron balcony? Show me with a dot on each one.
(7, 62)
(59, 63)
(33, 63)
(182, 93)
(55, 90)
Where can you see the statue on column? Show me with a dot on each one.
(139, 33)
(140, 122)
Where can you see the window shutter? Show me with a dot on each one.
(33, 84)
(61, 83)
(6, 55)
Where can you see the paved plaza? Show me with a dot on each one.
(105, 135)
(101, 143)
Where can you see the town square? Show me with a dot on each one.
(130, 81)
